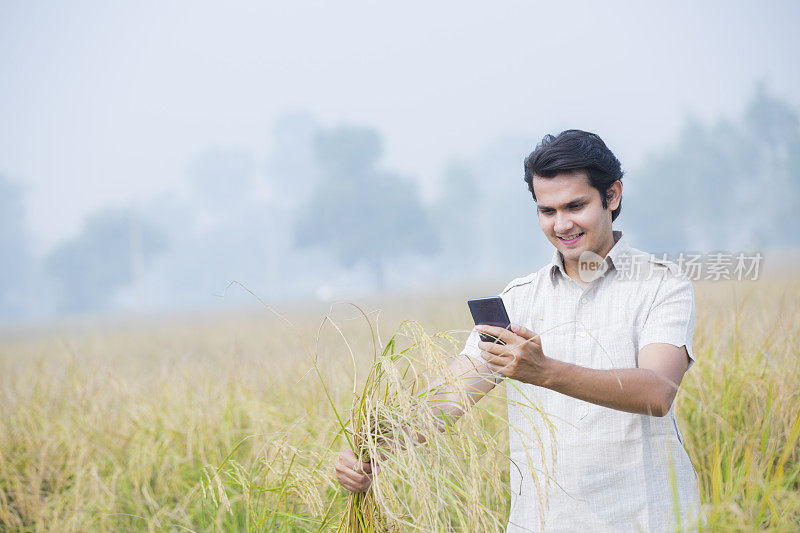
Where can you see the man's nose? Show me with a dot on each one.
(563, 223)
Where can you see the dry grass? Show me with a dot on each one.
(219, 424)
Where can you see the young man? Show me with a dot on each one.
(600, 340)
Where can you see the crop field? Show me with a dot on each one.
(234, 422)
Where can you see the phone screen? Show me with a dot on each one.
(489, 311)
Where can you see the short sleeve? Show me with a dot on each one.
(671, 317)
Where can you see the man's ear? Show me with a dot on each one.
(614, 194)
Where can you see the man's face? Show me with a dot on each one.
(572, 216)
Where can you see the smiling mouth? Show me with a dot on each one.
(570, 239)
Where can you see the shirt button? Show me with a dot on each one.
(581, 334)
(584, 300)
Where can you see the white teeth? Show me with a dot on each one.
(570, 237)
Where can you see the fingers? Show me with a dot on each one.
(524, 332)
(492, 348)
(348, 458)
(499, 358)
(354, 482)
(501, 333)
(498, 364)
(352, 474)
(511, 339)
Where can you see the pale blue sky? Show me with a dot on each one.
(107, 103)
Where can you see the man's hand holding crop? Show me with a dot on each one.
(521, 356)
(352, 474)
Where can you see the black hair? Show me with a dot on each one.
(575, 150)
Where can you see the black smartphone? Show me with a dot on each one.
(489, 311)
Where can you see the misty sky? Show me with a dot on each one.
(108, 104)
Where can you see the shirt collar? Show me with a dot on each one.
(616, 257)
(619, 255)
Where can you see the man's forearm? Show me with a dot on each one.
(448, 400)
(635, 390)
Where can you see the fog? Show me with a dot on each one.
(152, 153)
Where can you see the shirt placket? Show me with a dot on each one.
(583, 327)
(582, 318)
(583, 335)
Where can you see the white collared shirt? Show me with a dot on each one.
(584, 467)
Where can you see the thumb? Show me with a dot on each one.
(523, 332)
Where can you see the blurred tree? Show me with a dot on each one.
(691, 189)
(728, 185)
(773, 195)
(509, 243)
(291, 168)
(16, 262)
(292, 173)
(110, 252)
(222, 181)
(362, 214)
(456, 214)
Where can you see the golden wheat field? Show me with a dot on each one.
(233, 423)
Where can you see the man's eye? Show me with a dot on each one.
(577, 207)
(545, 212)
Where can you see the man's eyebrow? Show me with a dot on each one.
(572, 203)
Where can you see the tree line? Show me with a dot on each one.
(323, 215)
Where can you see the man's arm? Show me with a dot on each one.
(649, 389)
(471, 381)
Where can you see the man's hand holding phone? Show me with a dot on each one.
(519, 356)
(510, 350)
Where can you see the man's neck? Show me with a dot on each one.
(571, 267)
